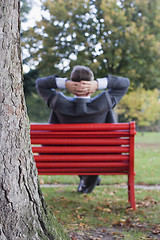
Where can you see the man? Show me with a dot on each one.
(82, 108)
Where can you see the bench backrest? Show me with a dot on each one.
(83, 148)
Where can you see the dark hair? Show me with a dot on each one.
(80, 72)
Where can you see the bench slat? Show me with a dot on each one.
(83, 171)
(81, 127)
(78, 157)
(82, 141)
(81, 149)
(82, 164)
(79, 134)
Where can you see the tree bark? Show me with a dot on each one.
(23, 212)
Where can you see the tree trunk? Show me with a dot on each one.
(23, 212)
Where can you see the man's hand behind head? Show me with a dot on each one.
(90, 86)
(83, 88)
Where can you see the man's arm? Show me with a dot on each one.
(118, 87)
(45, 87)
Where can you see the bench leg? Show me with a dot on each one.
(131, 191)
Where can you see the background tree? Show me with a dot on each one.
(23, 212)
(142, 106)
(120, 37)
(117, 36)
(29, 78)
(26, 6)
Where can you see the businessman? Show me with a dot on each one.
(82, 108)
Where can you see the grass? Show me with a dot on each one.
(147, 160)
(106, 207)
(147, 138)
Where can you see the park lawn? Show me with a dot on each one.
(147, 162)
(147, 158)
(147, 138)
(106, 207)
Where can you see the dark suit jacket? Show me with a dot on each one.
(82, 110)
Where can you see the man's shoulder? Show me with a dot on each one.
(102, 99)
(99, 96)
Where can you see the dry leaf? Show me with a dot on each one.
(41, 181)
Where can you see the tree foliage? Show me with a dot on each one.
(26, 6)
(118, 37)
(141, 105)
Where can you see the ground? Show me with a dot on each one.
(97, 234)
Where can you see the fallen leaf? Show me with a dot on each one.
(41, 181)
(103, 209)
(156, 231)
(73, 238)
(122, 223)
(107, 210)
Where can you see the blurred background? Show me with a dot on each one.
(120, 37)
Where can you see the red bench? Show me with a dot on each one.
(85, 149)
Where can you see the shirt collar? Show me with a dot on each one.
(86, 97)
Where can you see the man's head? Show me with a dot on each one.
(80, 73)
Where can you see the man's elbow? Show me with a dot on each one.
(38, 83)
(127, 82)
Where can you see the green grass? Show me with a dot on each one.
(106, 206)
(148, 138)
(147, 158)
(147, 165)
